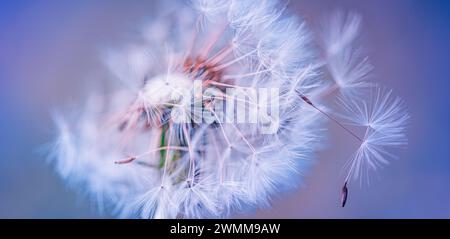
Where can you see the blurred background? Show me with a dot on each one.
(50, 49)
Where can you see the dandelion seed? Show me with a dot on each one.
(385, 119)
(346, 64)
(128, 160)
(344, 195)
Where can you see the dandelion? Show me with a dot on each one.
(221, 106)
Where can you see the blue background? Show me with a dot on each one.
(50, 49)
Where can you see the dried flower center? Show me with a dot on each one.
(198, 68)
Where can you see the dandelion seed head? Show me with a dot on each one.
(163, 146)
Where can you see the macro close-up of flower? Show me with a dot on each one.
(223, 109)
(187, 132)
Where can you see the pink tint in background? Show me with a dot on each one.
(49, 55)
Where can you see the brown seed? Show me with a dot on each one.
(344, 194)
(125, 161)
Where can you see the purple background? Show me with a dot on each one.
(50, 49)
